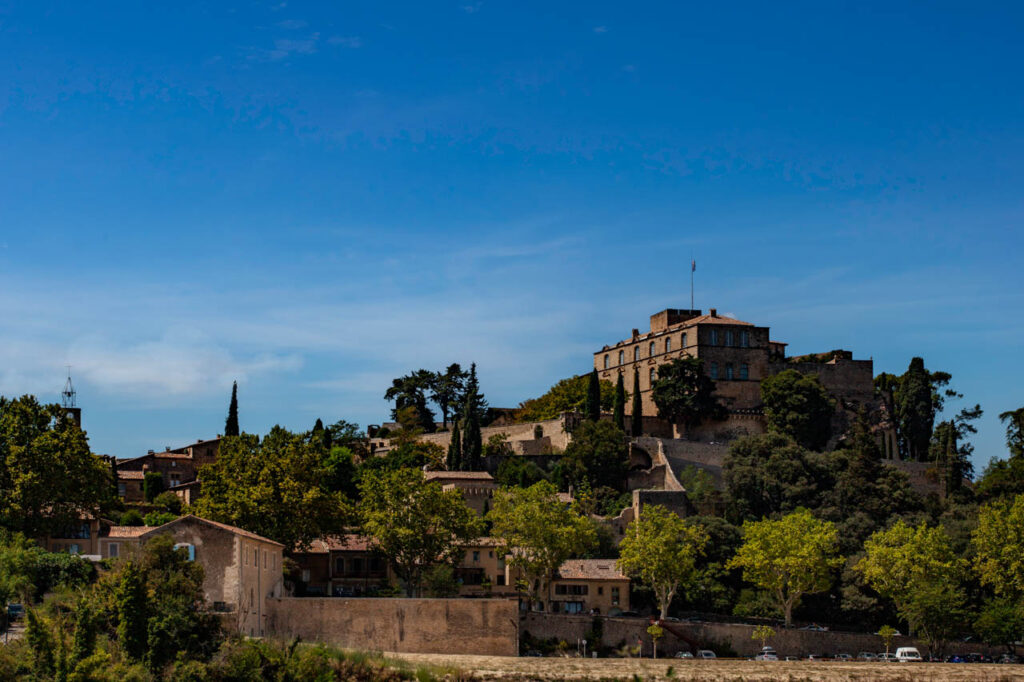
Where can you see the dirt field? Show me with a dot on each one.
(500, 668)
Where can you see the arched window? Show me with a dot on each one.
(684, 340)
(713, 337)
(652, 377)
(651, 349)
(728, 337)
(668, 344)
(728, 372)
(714, 370)
(606, 361)
(636, 353)
(622, 356)
(744, 371)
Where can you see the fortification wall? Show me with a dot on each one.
(787, 641)
(521, 437)
(486, 627)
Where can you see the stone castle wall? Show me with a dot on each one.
(486, 627)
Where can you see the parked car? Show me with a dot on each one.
(1008, 658)
(978, 658)
(887, 658)
(706, 654)
(815, 628)
(955, 658)
(867, 656)
(684, 654)
(15, 612)
(767, 654)
(843, 657)
(905, 654)
(815, 657)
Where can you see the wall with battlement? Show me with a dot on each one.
(486, 627)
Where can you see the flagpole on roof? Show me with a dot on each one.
(693, 268)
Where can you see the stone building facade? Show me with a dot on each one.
(178, 467)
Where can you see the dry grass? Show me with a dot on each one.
(646, 670)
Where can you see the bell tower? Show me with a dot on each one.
(67, 401)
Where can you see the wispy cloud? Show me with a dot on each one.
(600, 29)
(472, 8)
(284, 48)
(352, 42)
(292, 24)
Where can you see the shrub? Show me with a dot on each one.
(168, 501)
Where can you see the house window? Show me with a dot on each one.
(574, 607)
(606, 361)
(745, 339)
(615, 596)
(668, 344)
(190, 548)
(714, 370)
(122, 489)
(476, 556)
(74, 548)
(113, 550)
(499, 579)
(622, 356)
(256, 558)
(652, 377)
(305, 575)
(684, 340)
(339, 566)
(356, 565)
(728, 372)
(636, 353)
(744, 371)
(713, 337)
(600, 590)
(728, 337)
(175, 479)
(651, 350)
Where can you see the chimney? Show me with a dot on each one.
(714, 312)
(636, 333)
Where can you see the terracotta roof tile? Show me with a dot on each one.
(128, 531)
(131, 475)
(215, 524)
(458, 475)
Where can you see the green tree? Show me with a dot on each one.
(660, 550)
(568, 395)
(454, 458)
(798, 406)
(84, 642)
(472, 443)
(762, 633)
(656, 632)
(152, 485)
(636, 417)
(917, 568)
(132, 616)
(1001, 623)
(40, 643)
(231, 423)
(789, 558)
(538, 533)
(769, 474)
(684, 394)
(440, 582)
(1005, 478)
(48, 477)
(619, 404)
(918, 395)
(887, 633)
(274, 487)
(592, 405)
(998, 544)
(415, 524)
(446, 389)
(599, 454)
(518, 472)
(1014, 420)
(340, 471)
(410, 391)
(168, 502)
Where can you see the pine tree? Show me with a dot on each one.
(132, 621)
(84, 641)
(636, 422)
(455, 449)
(619, 407)
(472, 442)
(231, 424)
(592, 406)
(40, 642)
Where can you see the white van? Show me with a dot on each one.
(706, 654)
(907, 653)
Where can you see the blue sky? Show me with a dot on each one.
(315, 197)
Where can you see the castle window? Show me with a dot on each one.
(714, 370)
(652, 377)
(684, 340)
(652, 351)
(745, 339)
(636, 353)
(744, 371)
(606, 361)
(668, 344)
(728, 337)
(622, 356)
(728, 372)
(713, 337)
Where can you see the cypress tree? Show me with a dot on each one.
(636, 422)
(40, 642)
(231, 423)
(84, 641)
(592, 406)
(619, 407)
(455, 449)
(132, 621)
(472, 442)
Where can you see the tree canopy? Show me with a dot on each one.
(567, 395)
(231, 423)
(998, 543)
(598, 454)
(798, 406)
(790, 557)
(684, 394)
(660, 549)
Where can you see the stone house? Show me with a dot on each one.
(179, 469)
(477, 487)
(589, 585)
(338, 566)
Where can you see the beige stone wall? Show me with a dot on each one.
(553, 433)
(260, 578)
(453, 626)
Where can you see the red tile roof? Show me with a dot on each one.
(131, 475)
(350, 542)
(215, 524)
(128, 531)
(590, 569)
